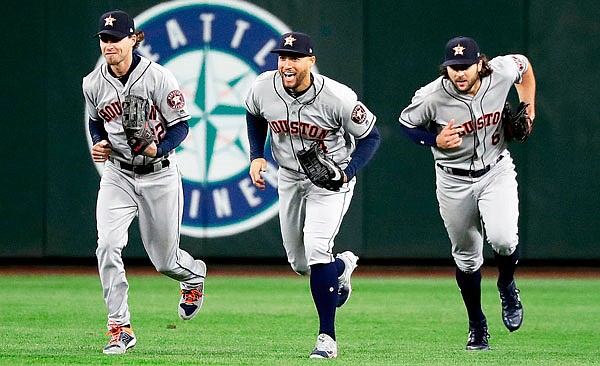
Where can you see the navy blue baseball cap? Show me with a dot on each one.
(116, 23)
(295, 42)
(461, 51)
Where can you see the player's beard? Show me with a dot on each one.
(466, 85)
(299, 82)
(114, 59)
(119, 62)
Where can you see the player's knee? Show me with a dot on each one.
(504, 244)
(105, 247)
(108, 255)
(111, 240)
(299, 265)
(505, 250)
(468, 265)
(302, 270)
(166, 269)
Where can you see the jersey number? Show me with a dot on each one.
(496, 137)
(159, 132)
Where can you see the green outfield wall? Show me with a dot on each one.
(384, 50)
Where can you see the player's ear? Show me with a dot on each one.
(313, 59)
(479, 66)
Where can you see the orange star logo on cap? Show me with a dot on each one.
(458, 50)
(109, 21)
(289, 40)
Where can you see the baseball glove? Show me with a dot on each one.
(139, 134)
(517, 126)
(321, 169)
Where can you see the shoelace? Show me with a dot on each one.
(516, 297)
(191, 295)
(114, 332)
(511, 299)
(478, 334)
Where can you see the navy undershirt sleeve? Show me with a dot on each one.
(173, 137)
(257, 135)
(97, 131)
(365, 149)
(420, 135)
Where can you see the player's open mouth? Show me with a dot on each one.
(288, 75)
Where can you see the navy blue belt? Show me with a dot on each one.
(141, 169)
(469, 173)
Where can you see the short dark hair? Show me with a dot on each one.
(486, 70)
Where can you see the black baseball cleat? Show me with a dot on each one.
(512, 309)
(478, 336)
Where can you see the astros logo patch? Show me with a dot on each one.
(175, 99)
(215, 49)
(359, 113)
(519, 62)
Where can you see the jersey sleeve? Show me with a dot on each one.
(356, 118)
(90, 106)
(252, 104)
(417, 113)
(522, 64)
(361, 120)
(170, 100)
(514, 66)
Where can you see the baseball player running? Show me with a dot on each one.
(458, 115)
(300, 109)
(146, 183)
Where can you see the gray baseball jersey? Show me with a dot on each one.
(328, 111)
(104, 95)
(439, 102)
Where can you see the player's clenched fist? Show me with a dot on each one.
(100, 151)
(449, 137)
(258, 166)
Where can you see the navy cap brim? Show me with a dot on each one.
(459, 62)
(285, 50)
(113, 33)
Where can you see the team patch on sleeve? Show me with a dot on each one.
(359, 113)
(175, 99)
(521, 63)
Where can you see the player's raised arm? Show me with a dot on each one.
(526, 90)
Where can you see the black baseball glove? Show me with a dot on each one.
(139, 134)
(517, 126)
(321, 169)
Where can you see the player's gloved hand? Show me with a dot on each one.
(321, 169)
(136, 113)
(517, 126)
(101, 151)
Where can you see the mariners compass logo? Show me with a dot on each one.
(215, 49)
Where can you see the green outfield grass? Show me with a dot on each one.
(60, 319)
